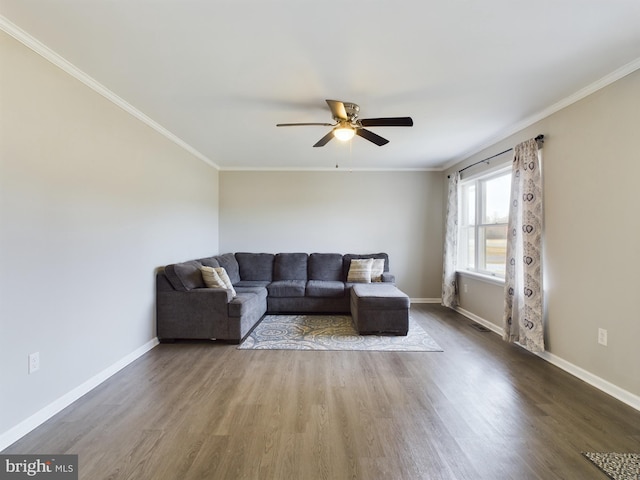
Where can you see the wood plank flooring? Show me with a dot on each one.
(482, 409)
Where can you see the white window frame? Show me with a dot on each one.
(478, 181)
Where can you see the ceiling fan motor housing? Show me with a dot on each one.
(352, 111)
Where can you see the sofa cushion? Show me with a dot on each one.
(244, 303)
(326, 266)
(383, 297)
(185, 276)
(229, 263)
(325, 288)
(360, 270)
(346, 263)
(209, 262)
(259, 291)
(290, 266)
(287, 288)
(252, 283)
(255, 266)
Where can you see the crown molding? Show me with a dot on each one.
(48, 54)
(556, 107)
(325, 169)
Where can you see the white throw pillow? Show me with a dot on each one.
(360, 270)
(211, 278)
(222, 273)
(377, 269)
(217, 277)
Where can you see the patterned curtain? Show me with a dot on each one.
(449, 285)
(523, 316)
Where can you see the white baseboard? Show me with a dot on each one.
(16, 433)
(607, 387)
(601, 384)
(426, 300)
(485, 323)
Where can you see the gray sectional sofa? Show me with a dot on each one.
(282, 283)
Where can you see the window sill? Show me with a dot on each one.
(483, 278)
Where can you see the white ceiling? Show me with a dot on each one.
(219, 74)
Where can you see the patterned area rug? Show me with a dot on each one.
(331, 332)
(619, 466)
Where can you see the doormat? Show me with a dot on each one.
(618, 466)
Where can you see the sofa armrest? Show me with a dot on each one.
(388, 277)
(199, 313)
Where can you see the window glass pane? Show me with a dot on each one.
(466, 248)
(468, 203)
(470, 248)
(483, 218)
(496, 198)
(494, 249)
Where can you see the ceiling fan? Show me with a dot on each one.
(348, 124)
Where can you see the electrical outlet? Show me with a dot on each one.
(34, 362)
(464, 286)
(602, 336)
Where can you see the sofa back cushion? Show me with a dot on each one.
(209, 262)
(290, 266)
(230, 264)
(185, 276)
(326, 266)
(255, 266)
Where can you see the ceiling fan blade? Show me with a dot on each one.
(297, 124)
(372, 137)
(324, 140)
(337, 109)
(387, 122)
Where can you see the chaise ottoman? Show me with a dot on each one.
(379, 308)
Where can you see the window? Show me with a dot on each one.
(483, 218)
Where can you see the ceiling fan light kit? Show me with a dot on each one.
(344, 133)
(348, 125)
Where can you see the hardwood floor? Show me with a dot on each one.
(482, 409)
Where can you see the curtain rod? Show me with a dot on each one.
(539, 139)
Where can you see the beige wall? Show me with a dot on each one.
(591, 167)
(340, 211)
(92, 201)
